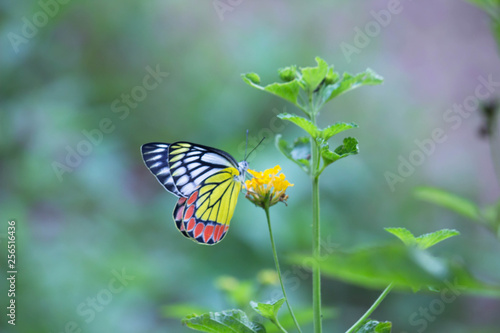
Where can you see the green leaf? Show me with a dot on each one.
(428, 240)
(228, 321)
(313, 76)
(378, 266)
(287, 90)
(374, 326)
(328, 156)
(451, 201)
(403, 234)
(336, 128)
(407, 267)
(299, 152)
(303, 123)
(350, 82)
(268, 310)
(331, 76)
(349, 147)
(424, 241)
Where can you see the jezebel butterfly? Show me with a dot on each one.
(207, 182)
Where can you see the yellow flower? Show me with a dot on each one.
(267, 188)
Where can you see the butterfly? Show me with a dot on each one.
(207, 182)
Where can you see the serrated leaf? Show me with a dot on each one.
(336, 128)
(299, 152)
(374, 326)
(313, 76)
(449, 200)
(430, 239)
(348, 147)
(328, 156)
(424, 241)
(228, 321)
(403, 234)
(350, 82)
(268, 310)
(287, 90)
(302, 122)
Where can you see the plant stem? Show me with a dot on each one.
(316, 249)
(371, 309)
(278, 270)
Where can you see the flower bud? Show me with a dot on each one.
(331, 76)
(288, 74)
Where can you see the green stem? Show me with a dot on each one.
(371, 309)
(316, 249)
(278, 270)
(282, 329)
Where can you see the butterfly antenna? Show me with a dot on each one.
(256, 146)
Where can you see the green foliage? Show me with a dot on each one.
(313, 130)
(424, 241)
(451, 201)
(350, 82)
(309, 88)
(378, 266)
(304, 316)
(303, 123)
(312, 77)
(298, 152)
(489, 215)
(335, 129)
(288, 90)
(228, 321)
(288, 74)
(238, 292)
(373, 326)
(349, 147)
(269, 310)
(407, 267)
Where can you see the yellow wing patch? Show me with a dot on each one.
(218, 196)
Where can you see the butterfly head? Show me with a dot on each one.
(242, 168)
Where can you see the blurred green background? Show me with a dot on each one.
(106, 216)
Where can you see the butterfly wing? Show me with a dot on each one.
(190, 165)
(204, 180)
(155, 155)
(206, 213)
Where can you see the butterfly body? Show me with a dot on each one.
(207, 182)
